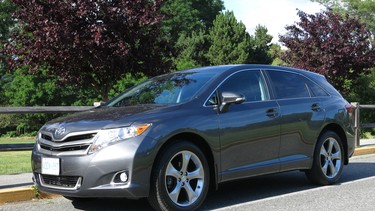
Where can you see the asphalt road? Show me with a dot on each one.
(285, 191)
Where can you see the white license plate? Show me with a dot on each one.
(51, 166)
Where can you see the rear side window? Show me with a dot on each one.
(316, 90)
(288, 85)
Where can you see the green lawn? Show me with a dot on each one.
(15, 162)
(18, 140)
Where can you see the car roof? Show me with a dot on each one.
(234, 67)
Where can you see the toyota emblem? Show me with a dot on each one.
(59, 132)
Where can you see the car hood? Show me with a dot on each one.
(103, 117)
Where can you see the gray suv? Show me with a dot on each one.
(172, 137)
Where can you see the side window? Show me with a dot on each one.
(288, 85)
(249, 83)
(316, 90)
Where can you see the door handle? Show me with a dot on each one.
(272, 112)
(315, 107)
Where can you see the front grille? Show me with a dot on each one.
(63, 182)
(73, 143)
(80, 137)
(47, 137)
(64, 148)
(69, 138)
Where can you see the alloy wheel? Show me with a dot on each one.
(330, 157)
(184, 178)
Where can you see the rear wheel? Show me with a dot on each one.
(180, 179)
(328, 160)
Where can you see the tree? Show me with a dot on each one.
(261, 45)
(276, 53)
(28, 90)
(230, 42)
(362, 9)
(6, 25)
(327, 43)
(90, 42)
(193, 50)
(185, 16)
(6, 20)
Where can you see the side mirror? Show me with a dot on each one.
(228, 98)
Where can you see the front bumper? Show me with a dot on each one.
(96, 175)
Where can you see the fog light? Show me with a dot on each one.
(120, 177)
(123, 177)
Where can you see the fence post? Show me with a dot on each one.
(357, 131)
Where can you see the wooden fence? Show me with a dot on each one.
(357, 120)
(43, 109)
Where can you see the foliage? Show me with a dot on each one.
(186, 16)
(226, 42)
(362, 9)
(38, 89)
(365, 89)
(335, 46)
(364, 93)
(6, 20)
(90, 42)
(6, 25)
(261, 45)
(276, 52)
(30, 90)
(208, 10)
(230, 42)
(193, 50)
(4, 79)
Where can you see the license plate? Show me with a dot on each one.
(51, 166)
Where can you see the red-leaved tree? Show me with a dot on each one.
(89, 42)
(327, 43)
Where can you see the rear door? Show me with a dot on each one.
(301, 118)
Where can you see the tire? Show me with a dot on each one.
(180, 178)
(328, 160)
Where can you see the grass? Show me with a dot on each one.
(15, 162)
(18, 140)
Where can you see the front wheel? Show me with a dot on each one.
(180, 179)
(328, 160)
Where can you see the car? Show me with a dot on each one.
(174, 136)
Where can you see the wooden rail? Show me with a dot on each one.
(357, 122)
(43, 109)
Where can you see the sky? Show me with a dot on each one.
(273, 14)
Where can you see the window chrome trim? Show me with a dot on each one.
(239, 71)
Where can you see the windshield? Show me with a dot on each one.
(167, 89)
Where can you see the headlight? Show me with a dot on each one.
(106, 137)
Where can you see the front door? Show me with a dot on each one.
(249, 132)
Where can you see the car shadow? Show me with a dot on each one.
(241, 191)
